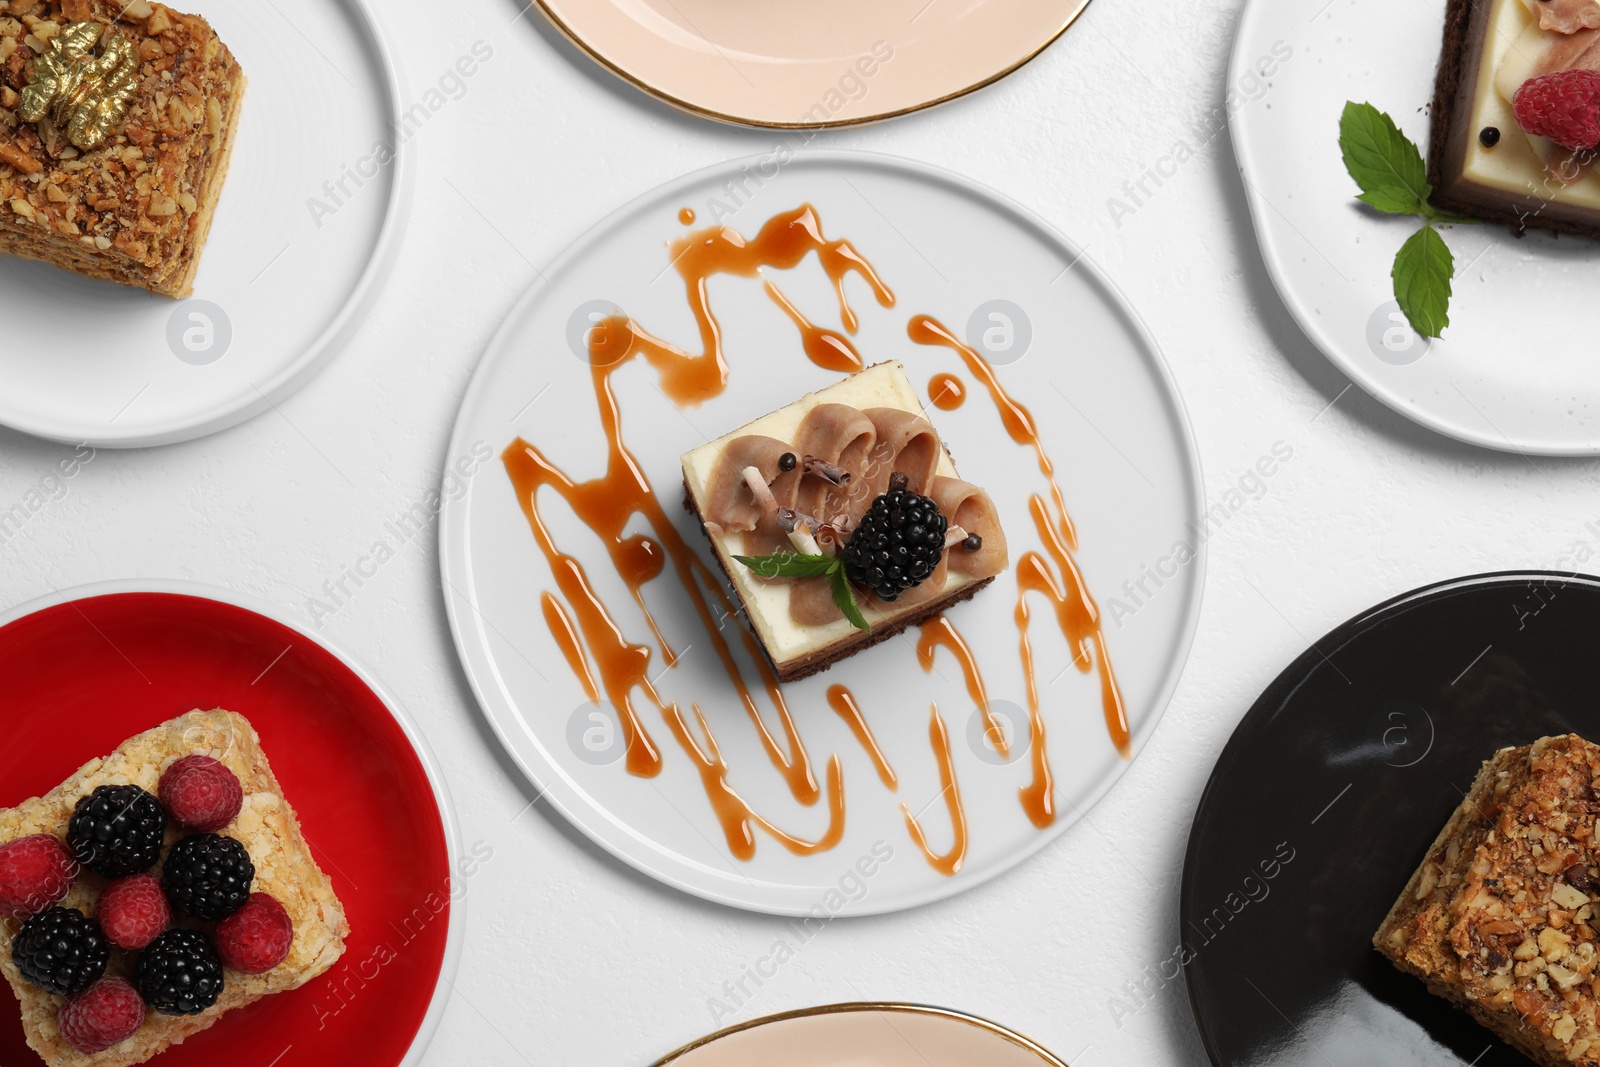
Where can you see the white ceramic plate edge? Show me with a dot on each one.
(548, 779)
(297, 373)
(430, 765)
(1239, 64)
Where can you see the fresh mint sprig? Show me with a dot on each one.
(1393, 179)
(801, 565)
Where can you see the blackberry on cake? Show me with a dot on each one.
(898, 543)
(208, 876)
(60, 951)
(117, 830)
(180, 973)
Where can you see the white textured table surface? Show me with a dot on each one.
(572, 958)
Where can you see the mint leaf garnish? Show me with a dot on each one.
(1422, 273)
(801, 565)
(1383, 161)
(1394, 180)
(790, 565)
(845, 598)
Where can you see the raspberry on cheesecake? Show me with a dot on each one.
(1516, 114)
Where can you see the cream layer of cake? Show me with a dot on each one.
(767, 603)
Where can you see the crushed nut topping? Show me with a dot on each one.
(134, 209)
(1498, 917)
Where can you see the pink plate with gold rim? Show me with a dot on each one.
(826, 63)
(883, 1035)
(775, 803)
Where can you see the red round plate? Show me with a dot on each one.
(82, 676)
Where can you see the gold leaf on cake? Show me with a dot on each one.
(85, 94)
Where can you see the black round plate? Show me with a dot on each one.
(1330, 792)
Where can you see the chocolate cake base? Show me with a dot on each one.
(1466, 27)
(825, 658)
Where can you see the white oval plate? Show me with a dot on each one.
(1507, 374)
(281, 287)
(883, 1035)
(1125, 462)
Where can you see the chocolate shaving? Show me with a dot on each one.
(759, 489)
(789, 519)
(831, 473)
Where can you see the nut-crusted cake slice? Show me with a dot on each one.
(266, 825)
(1500, 917)
(130, 200)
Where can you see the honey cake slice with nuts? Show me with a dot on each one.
(117, 122)
(1499, 918)
(267, 827)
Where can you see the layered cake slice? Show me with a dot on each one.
(1515, 111)
(1500, 917)
(155, 890)
(117, 120)
(840, 520)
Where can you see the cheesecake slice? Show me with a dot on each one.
(1481, 163)
(799, 482)
(1500, 917)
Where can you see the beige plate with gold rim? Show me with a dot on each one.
(778, 63)
(864, 1035)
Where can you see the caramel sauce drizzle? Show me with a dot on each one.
(828, 349)
(939, 632)
(1017, 420)
(686, 216)
(782, 243)
(566, 635)
(734, 813)
(608, 503)
(946, 392)
(1078, 617)
(946, 863)
(1077, 614)
(605, 661)
(844, 704)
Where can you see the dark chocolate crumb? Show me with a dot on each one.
(1489, 136)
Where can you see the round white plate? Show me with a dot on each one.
(1107, 411)
(291, 265)
(883, 1035)
(1507, 373)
